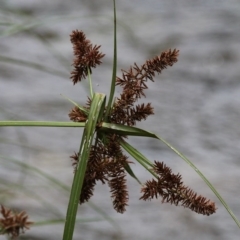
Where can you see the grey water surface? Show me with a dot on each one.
(196, 102)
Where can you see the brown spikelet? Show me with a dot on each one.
(92, 174)
(74, 158)
(133, 82)
(77, 115)
(136, 77)
(13, 223)
(117, 182)
(86, 55)
(106, 164)
(171, 188)
(198, 203)
(96, 171)
(119, 190)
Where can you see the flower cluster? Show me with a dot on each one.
(107, 163)
(87, 56)
(12, 223)
(170, 187)
(76, 115)
(133, 83)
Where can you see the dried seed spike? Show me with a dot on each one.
(87, 56)
(172, 190)
(12, 223)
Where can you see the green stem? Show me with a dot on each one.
(114, 72)
(90, 83)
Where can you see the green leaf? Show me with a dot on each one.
(125, 130)
(138, 156)
(80, 107)
(95, 114)
(130, 172)
(132, 131)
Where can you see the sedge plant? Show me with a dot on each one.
(107, 123)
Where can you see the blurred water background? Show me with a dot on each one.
(196, 102)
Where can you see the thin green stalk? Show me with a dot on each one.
(203, 177)
(114, 71)
(90, 83)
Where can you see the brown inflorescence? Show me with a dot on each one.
(12, 223)
(77, 115)
(170, 187)
(133, 83)
(107, 162)
(86, 55)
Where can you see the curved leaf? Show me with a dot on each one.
(133, 131)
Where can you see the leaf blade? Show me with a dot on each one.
(133, 131)
(96, 110)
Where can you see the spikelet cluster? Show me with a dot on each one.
(107, 163)
(12, 223)
(171, 188)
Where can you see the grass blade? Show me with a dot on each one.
(125, 130)
(90, 83)
(96, 110)
(74, 103)
(130, 172)
(132, 131)
(138, 156)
